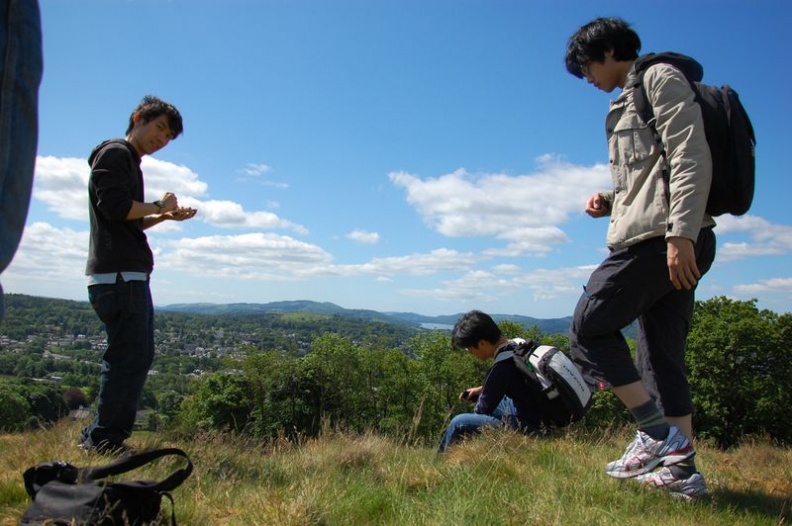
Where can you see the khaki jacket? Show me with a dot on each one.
(639, 202)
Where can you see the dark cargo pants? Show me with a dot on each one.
(632, 283)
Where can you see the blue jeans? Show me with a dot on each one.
(21, 67)
(127, 312)
(465, 424)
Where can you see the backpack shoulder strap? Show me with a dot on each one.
(134, 461)
(504, 355)
(689, 67)
(519, 355)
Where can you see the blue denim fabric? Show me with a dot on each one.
(127, 311)
(465, 424)
(21, 67)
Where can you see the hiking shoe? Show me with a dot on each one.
(106, 448)
(690, 488)
(645, 453)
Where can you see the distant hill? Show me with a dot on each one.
(409, 320)
(548, 326)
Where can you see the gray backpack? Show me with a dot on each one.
(554, 378)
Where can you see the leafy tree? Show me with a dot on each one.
(74, 398)
(14, 408)
(399, 391)
(738, 357)
(46, 401)
(221, 401)
(169, 403)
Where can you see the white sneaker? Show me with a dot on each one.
(689, 488)
(645, 453)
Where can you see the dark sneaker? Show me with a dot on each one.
(690, 488)
(106, 448)
(645, 453)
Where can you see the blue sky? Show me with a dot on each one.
(429, 156)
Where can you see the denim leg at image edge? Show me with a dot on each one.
(21, 68)
(465, 424)
(126, 309)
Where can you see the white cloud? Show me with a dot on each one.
(228, 214)
(255, 256)
(768, 286)
(546, 284)
(50, 254)
(62, 183)
(164, 176)
(363, 236)
(765, 238)
(479, 286)
(256, 169)
(507, 269)
(439, 260)
(524, 209)
(476, 286)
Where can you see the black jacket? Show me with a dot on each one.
(116, 243)
(504, 379)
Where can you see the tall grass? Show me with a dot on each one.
(497, 478)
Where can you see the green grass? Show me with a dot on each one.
(497, 478)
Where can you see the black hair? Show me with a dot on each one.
(473, 327)
(152, 107)
(593, 40)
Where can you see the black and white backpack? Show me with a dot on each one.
(556, 380)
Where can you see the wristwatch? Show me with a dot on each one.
(159, 205)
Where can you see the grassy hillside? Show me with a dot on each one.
(498, 478)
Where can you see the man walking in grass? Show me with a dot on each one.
(661, 242)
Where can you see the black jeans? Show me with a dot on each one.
(631, 284)
(127, 312)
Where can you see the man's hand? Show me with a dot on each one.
(596, 206)
(168, 202)
(681, 259)
(181, 214)
(471, 395)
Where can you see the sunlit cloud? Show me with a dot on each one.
(481, 286)
(40, 241)
(256, 256)
(256, 169)
(254, 172)
(764, 238)
(768, 286)
(228, 214)
(525, 210)
(364, 237)
(62, 184)
(421, 264)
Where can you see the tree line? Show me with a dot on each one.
(738, 358)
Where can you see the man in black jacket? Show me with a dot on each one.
(120, 264)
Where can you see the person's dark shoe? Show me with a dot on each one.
(106, 448)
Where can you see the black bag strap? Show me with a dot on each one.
(692, 70)
(36, 476)
(520, 354)
(136, 460)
